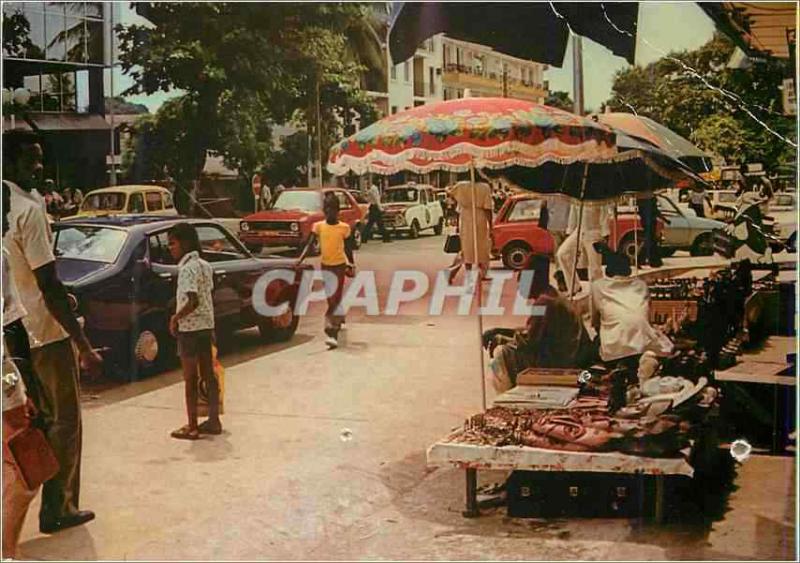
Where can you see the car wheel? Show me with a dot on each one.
(254, 248)
(151, 349)
(516, 255)
(357, 235)
(439, 227)
(282, 327)
(703, 245)
(413, 232)
(628, 246)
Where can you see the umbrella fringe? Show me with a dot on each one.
(384, 164)
(515, 153)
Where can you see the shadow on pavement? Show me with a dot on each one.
(437, 496)
(245, 346)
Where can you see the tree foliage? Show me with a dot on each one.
(684, 91)
(561, 100)
(242, 67)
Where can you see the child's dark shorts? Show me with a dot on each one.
(195, 343)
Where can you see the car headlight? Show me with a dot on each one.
(294, 227)
(244, 226)
(401, 219)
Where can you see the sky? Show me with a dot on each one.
(663, 27)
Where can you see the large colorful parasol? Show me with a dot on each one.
(456, 135)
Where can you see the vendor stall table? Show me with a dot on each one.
(472, 457)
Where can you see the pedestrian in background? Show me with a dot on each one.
(336, 243)
(475, 222)
(265, 198)
(594, 227)
(193, 326)
(697, 200)
(375, 215)
(51, 324)
(648, 214)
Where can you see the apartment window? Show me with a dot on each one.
(431, 73)
(406, 71)
(394, 72)
(394, 110)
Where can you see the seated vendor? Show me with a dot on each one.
(555, 339)
(620, 312)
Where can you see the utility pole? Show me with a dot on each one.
(113, 178)
(577, 74)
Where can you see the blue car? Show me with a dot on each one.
(122, 281)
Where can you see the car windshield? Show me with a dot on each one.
(109, 201)
(406, 195)
(298, 201)
(526, 210)
(96, 244)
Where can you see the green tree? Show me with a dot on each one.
(242, 67)
(289, 165)
(561, 100)
(728, 112)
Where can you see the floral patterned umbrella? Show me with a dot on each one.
(482, 132)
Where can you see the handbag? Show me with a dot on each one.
(452, 244)
(33, 457)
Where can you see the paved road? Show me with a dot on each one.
(323, 457)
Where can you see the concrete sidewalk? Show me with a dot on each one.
(324, 458)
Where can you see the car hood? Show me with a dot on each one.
(399, 206)
(72, 271)
(283, 215)
(703, 223)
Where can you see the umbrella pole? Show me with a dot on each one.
(479, 288)
(578, 241)
(636, 235)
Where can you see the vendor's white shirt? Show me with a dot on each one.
(622, 303)
(596, 218)
(29, 242)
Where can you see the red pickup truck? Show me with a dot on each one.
(288, 222)
(518, 236)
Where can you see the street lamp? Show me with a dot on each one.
(21, 96)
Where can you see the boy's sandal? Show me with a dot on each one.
(186, 433)
(208, 427)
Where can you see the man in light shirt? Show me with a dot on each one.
(594, 227)
(52, 327)
(375, 215)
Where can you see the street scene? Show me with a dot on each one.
(429, 281)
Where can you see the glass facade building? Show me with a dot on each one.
(58, 52)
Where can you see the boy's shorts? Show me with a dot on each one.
(192, 344)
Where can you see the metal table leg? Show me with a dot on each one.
(658, 514)
(472, 494)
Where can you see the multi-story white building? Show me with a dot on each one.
(444, 69)
(485, 72)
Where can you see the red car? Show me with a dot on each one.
(288, 222)
(518, 236)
